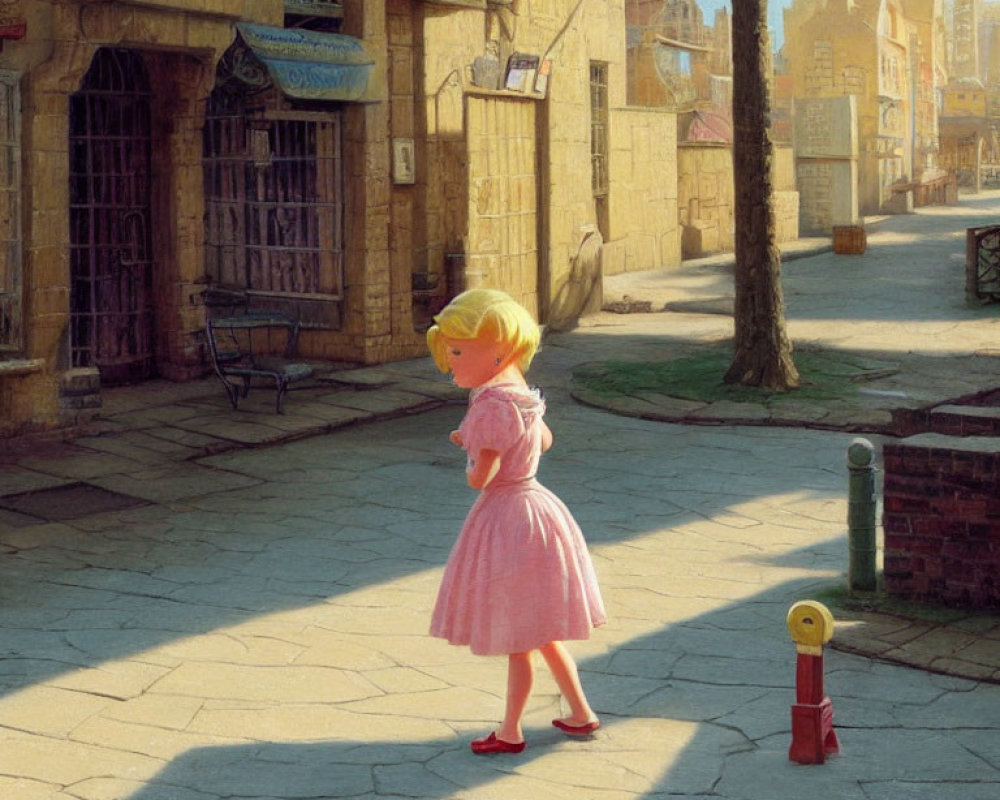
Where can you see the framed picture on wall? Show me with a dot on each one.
(403, 166)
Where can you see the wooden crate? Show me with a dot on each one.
(849, 239)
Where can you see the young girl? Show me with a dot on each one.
(519, 578)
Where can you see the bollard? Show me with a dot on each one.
(811, 626)
(861, 572)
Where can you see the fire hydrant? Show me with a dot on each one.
(813, 737)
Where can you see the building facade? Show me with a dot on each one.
(352, 163)
(970, 103)
(676, 62)
(887, 54)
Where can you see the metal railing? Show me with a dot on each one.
(982, 264)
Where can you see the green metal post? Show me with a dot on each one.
(861, 573)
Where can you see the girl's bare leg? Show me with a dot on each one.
(567, 678)
(520, 677)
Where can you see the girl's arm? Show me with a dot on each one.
(546, 437)
(483, 468)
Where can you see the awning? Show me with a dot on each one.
(308, 65)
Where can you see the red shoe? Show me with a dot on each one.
(577, 730)
(491, 744)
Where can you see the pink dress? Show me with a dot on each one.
(519, 575)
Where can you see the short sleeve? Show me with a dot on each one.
(492, 423)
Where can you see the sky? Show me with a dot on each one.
(774, 15)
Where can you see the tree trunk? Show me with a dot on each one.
(762, 352)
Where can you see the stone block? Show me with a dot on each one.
(825, 127)
(157, 27)
(50, 270)
(208, 33)
(80, 381)
(83, 402)
(401, 71)
(699, 238)
(50, 131)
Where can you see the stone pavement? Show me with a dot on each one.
(199, 604)
(900, 306)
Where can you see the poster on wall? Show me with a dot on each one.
(522, 68)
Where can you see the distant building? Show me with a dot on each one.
(667, 57)
(965, 39)
(677, 62)
(885, 53)
(967, 131)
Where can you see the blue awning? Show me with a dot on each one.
(308, 65)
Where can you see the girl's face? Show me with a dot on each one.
(473, 361)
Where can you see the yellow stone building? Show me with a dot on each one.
(970, 103)
(353, 163)
(888, 55)
(928, 59)
(968, 120)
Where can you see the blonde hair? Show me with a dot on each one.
(485, 314)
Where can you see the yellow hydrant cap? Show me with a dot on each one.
(810, 623)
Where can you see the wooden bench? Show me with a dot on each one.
(242, 346)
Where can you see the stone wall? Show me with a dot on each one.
(826, 162)
(705, 198)
(574, 36)
(942, 520)
(846, 50)
(643, 228)
(180, 39)
(502, 239)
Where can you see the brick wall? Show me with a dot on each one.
(942, 520)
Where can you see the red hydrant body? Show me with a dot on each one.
(813, 737)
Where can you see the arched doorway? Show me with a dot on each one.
(111, 303)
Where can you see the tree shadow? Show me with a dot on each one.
(913, 270)
(110, 606)
(330, 515)
(696, 708)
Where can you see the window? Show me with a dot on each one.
(274, 203)
(10, 215)
(853, 78)
(599, 142)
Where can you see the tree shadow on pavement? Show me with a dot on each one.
(329, 517)
(323, 573)
(698, 708)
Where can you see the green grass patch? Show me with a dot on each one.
(839, 597)
(824, 376)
